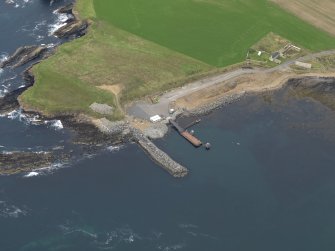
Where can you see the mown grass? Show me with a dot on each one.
(218, 32)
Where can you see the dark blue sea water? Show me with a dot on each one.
(268, 183)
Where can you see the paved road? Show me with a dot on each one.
(145, 110)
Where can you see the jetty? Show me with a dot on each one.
(184, 133)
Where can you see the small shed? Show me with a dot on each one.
(155, 118)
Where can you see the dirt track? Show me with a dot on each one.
(319, 13)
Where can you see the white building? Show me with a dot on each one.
(155, 118)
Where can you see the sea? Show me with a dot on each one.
(267, 184)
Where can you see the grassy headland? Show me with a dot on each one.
(69, 80)
(146, 47)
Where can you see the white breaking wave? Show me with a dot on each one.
(31, 174)
(56, 124)
(50, 45)
(60, 22)
(17, 114)
(3, 57)
(32, 119)
(18, 3)
(115, 148)
(45, 170)
(4, 81)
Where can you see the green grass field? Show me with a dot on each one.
(218, 32)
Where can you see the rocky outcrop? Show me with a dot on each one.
(9, 102)
(73, 26)
(18, 162)
(24, 55)
(76, 27)
(67, 9)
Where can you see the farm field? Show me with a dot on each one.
(318, 13)
(218, 32)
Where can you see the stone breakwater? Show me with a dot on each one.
(160, 157)
(164, 160)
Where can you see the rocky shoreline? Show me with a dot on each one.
(102, 133)
(84, 133)
(24, 55)
(10, 102)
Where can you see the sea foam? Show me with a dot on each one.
(56, 124)
(31, 174)
(60, 22)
